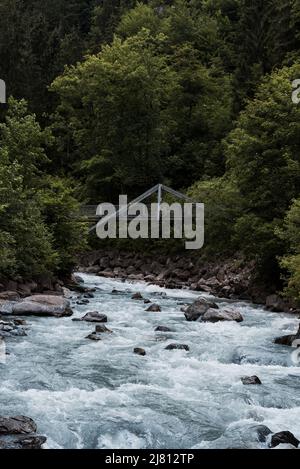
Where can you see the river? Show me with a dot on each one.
(85, 394)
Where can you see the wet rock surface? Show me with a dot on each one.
(19, 433)
(94, 336)
(137, 296)
(163, 329)
(251, 380)
(214, 315)
(15, 425)
(285, 437)
(244, 436)
(288, 339)
(178, 347)
(43, 305)
(102, 329)
(154, 308)
(139, 351)
(82, 302)
(196, 310)
(94, 316)
(22, 442)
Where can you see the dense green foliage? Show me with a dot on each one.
(106, 103)
(192, 93)
(37, 234)
(290, 233)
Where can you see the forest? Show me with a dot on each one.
(111, 97)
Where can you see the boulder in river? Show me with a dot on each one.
(89, 295)
(101, 329)
(288, 339)
(284, 438)
(94, 316)
(43, 305)
(217, 315)
(22, 441)
(147, 301)
(137, 296)
(139, 351)
(250, 380)
(198, 309)
(178, 347)
(163, 329)
(154, 308)
(17, 425)
(82, 302)
(19, 433)
(242, 435)
(94, 336)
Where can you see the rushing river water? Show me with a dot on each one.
(86, 394)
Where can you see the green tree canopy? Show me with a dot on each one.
(115, 106)
(37, 231)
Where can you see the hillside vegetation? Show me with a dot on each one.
(113, 97)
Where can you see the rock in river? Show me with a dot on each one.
(15, 425)
(154, 308)
(247, 380)
(22, 441)
(217, 315)
(94, 316)
(139, 351)
(94, 336)
(288, 339)
(19, 433)
(178, 347)
(284, 438)
(101, 329)
(89, 295)
(137, 296)
(43, 305)
(163, 329)
(198, 308)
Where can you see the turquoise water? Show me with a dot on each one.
(86, 394)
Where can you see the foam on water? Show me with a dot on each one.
(86, 394)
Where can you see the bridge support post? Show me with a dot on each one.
(159, 199)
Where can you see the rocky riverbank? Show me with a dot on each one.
(231, 278)
(14, 289)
